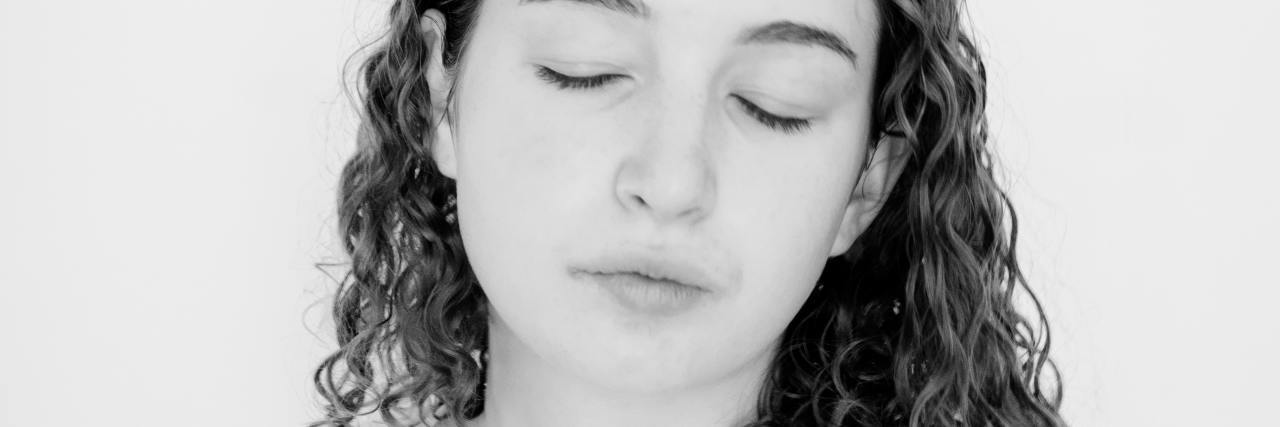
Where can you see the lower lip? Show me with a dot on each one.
(644, 295)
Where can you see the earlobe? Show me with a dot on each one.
(848, 232)
(870, 192)
(443, 149)
(440, 84)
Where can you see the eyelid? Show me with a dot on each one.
(785, 124)
(767, 102)
(788, 125)
(572, 82)
(578, 64)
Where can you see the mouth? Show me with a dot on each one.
(642, 294)
(650, 282)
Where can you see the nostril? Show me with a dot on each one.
(639, 200)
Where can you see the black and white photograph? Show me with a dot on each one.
(639, 213)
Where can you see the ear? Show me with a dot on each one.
(870, 191)
(440, 83)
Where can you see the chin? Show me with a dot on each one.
(628, 370)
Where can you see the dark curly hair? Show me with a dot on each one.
(915, 325)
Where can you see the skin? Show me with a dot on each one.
(665, 155)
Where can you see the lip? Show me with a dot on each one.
(659, 265)
(651, 297)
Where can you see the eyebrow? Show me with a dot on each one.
(773, 32)
(632, 8)
(801, 34)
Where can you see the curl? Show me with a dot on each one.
(409, 315)
(915, 325)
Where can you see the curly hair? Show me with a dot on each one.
(915, 325)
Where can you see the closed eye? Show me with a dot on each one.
(567, 82)
(788, 125)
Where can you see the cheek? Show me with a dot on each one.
(513, 179)
(529, 177)
(510, 159)
(784, 223)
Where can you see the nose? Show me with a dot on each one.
(669, 176)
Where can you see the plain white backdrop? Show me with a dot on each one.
(168, 170)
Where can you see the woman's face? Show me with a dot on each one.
(724, 135)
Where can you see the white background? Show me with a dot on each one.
(167, 174)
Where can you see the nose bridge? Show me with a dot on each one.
(680, 113)
(670, 173)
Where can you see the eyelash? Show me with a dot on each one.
(575, 83)
(788, 125)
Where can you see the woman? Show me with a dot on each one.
(664, 213)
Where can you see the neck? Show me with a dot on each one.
(524, 390)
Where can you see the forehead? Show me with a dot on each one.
(854, 21)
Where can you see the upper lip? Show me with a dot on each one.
(661, 264)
